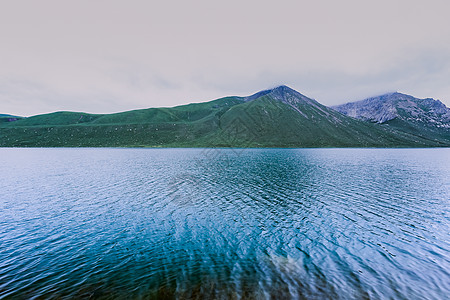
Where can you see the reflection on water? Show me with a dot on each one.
(253, 224)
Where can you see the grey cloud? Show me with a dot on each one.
(106, 56)
(422, 73)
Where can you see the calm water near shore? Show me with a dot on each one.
(224, 223)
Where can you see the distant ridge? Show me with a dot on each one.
(277, 117)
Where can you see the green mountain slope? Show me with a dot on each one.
(280, 117)
(187, 125)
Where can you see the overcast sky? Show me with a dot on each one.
(105, 56)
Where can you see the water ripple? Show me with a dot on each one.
(260, 224)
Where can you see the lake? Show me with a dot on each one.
(224, 223)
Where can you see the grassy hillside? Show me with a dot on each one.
(188, 125)
(276, 118)
(418, 130)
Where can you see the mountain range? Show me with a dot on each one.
(278, 117)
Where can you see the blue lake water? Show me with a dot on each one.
(224, 224)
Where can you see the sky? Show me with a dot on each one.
(104, 56)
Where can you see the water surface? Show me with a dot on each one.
(224, 224)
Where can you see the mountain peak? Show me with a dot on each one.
(398, 99)
(386, 97)
(282, 93)
(283, 88)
